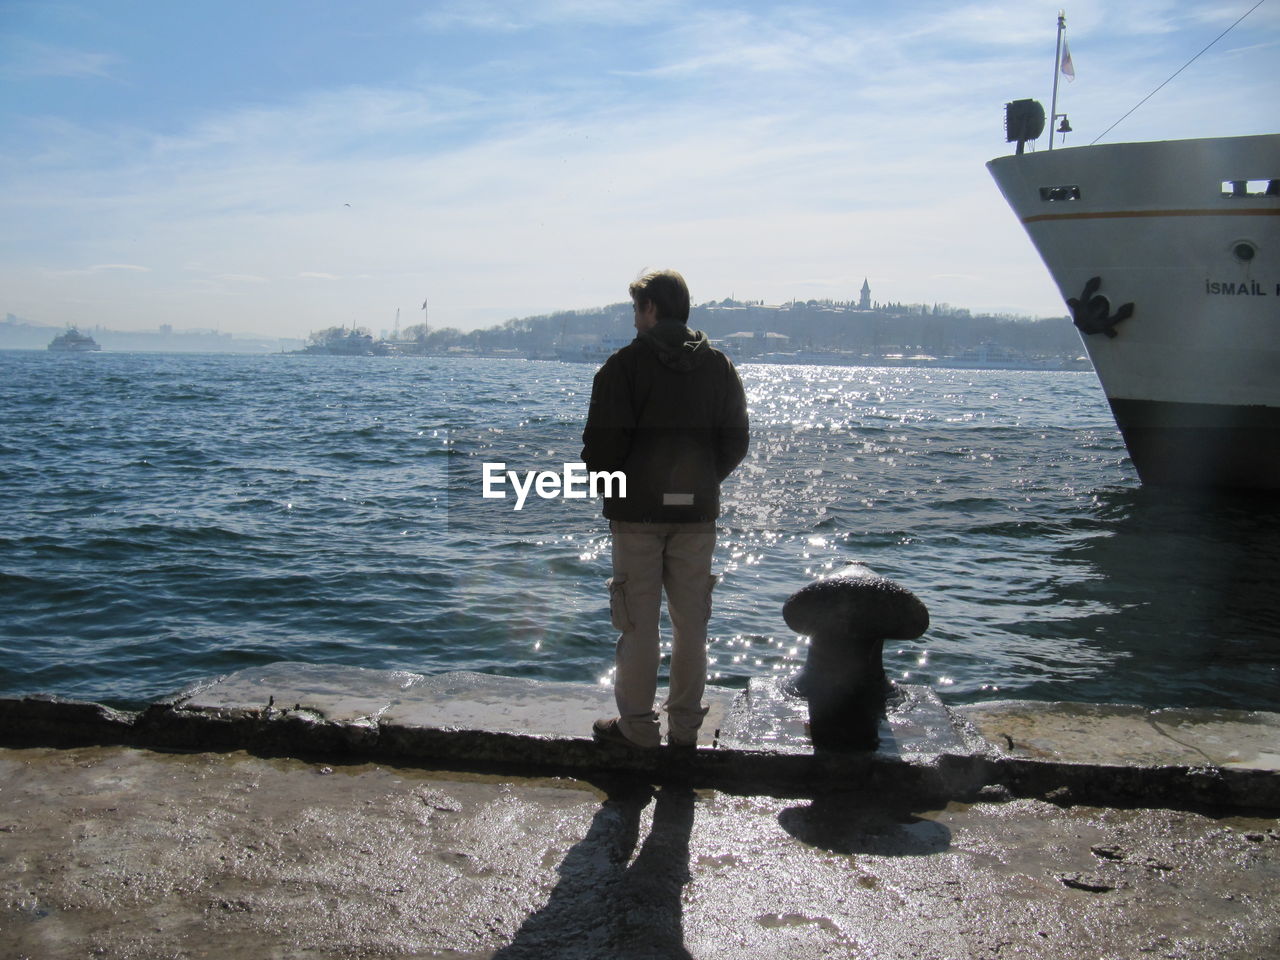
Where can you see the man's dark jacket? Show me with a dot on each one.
(668, 410)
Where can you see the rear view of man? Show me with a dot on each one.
(667, 410)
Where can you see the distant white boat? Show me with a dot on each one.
(596, 351)
(1168, 255)
(350, 343)
(73, 341)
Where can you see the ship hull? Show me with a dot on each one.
(1200, 444)
(1188, 234)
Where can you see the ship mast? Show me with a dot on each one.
(1057, 69)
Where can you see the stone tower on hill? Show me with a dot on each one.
(865, 302)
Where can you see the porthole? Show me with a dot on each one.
(1244, 250)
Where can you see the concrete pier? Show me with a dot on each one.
(299, 810)
(754, 739)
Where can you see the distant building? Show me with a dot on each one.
(864, 303)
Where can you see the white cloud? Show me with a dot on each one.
(515, 15)
(240, 278)
(31, 58)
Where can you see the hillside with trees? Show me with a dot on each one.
(754, 330)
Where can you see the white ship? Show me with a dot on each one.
(1168, 256)
(73, 341)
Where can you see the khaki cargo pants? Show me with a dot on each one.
(649, 558)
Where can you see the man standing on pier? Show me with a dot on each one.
(668, 410)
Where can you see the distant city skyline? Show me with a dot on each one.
(276, 169)
(863, 302)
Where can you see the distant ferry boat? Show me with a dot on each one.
(1168, 255)
(350, 343)
(73, 341)
(596, 352)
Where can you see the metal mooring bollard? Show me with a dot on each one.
(848, 616)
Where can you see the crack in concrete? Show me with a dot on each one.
(1154, 724)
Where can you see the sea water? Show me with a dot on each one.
(168, 518)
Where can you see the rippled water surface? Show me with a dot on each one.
(168, 518)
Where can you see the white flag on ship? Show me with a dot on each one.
(1068, 68)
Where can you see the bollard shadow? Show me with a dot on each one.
(607, 905)
(838, 824)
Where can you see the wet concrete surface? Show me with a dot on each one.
(1123, 735)
(155, 834)
(119, 852)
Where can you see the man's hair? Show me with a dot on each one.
(667, 291)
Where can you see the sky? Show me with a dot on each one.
(275, 168)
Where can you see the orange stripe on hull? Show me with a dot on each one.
(1136, 214)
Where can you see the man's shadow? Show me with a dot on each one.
(605, 904)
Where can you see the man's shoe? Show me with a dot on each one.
(682, 743)
(607, 731)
